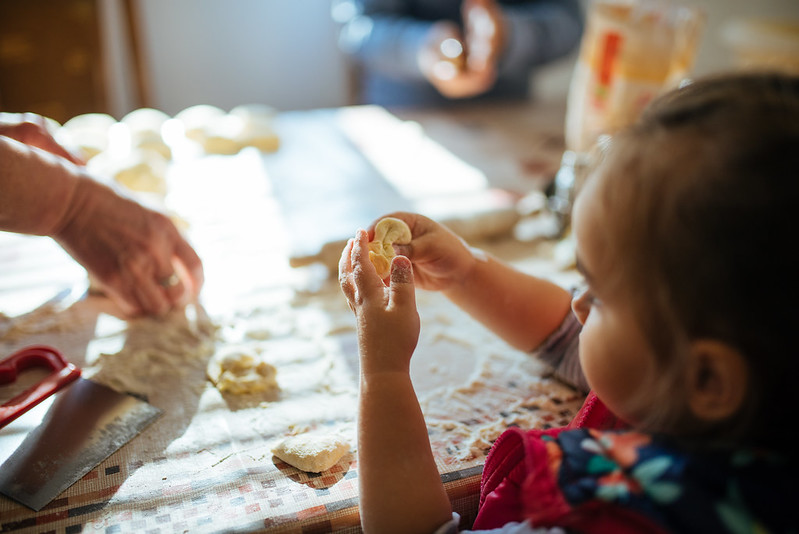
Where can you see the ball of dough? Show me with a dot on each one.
(145, 123)
(196, 118)
(311, 452)
(222, 135)
(257, 130)
(239, 372)
(145, 130)
(90, 121)
(87, 133)
(260, 136)
(141, 171)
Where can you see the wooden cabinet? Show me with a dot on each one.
(51, 58)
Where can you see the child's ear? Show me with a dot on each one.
(717, 380)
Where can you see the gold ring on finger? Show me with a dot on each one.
(170, 281)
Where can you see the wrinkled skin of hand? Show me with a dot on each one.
(130, 250)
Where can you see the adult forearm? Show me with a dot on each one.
(520, 308)
(36, 188)
(400, 487)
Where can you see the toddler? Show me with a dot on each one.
(686, 329)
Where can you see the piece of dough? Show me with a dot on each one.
(221, 135)
(260, 136)
(141, 171)
(145, 123)
(239, 372)
(388, 231)
(311, 452)
(87, 133)
(257, 130)
(145, 130)
(196, 118)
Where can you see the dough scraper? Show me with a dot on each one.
(62, 427)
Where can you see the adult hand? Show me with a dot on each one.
(463, 66)
(136, 255)
(485, 35)
(388, 322)
(31, 129)
(440, 258)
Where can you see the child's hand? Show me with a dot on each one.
(388, 323)
(440, 258)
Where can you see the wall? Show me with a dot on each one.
(229, 52)
(283, 52)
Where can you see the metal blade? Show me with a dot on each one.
(53, 445)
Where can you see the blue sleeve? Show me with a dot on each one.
(385, 36)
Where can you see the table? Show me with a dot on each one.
(206, 465)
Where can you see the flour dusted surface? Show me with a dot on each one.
(212, 447)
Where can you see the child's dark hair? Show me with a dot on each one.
(710, 178)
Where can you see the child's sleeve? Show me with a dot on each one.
(560, 351)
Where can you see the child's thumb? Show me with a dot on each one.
(401, 282)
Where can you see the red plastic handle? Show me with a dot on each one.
(63, 373)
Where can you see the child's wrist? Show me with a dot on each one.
(475, 259)
(384, 380)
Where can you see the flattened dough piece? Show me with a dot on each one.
(139, 171)
(240, 372)
(312, 452)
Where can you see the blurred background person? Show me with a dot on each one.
(434, 52)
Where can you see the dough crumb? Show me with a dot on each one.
(312, 453)
(240, 372)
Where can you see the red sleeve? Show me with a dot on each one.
(594, 414)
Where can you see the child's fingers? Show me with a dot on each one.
(345, 272)
(365, 277)
(345, 262)
(401, 290)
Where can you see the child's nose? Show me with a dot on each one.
(581, 305)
